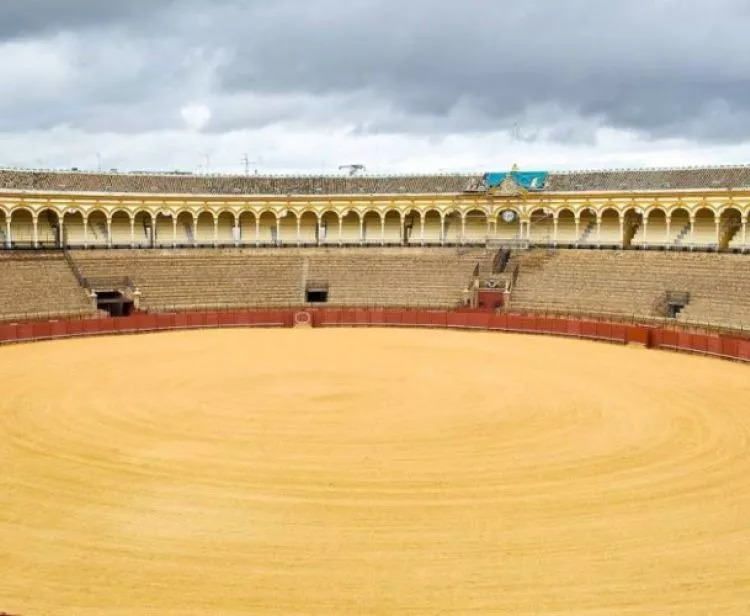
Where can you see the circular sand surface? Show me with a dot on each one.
(371, 472)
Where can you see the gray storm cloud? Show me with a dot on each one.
(543, 68)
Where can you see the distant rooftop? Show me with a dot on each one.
(616, 180)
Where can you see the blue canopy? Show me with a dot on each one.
(531, 180)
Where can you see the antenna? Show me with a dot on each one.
(353, 169)
(246, 162)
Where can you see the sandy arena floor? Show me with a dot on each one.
(333, 472)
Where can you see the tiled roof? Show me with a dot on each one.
(165, 183)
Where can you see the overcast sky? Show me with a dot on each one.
(396, 85)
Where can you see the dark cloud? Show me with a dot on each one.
(544, 68)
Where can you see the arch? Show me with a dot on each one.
(730, 227)
(287, 225)
(121, 228)
(73, 230)
(22, 227)
(267, 230)
(587, 225)
(225, 224)
(609, 233)
(5, 236)
(329, 227)
(475, 226)
(246, 224)
(452, 226)
(432, 221)
(48, 228)
(541, 226)
(96, 228)
(372, 229)
(705, 230)
(163, 228)
(656, 231)
(350, 228)
(678, 221)
(143, 228)
(204, 230)
(308, 227)
(508, 224)
(392, 226)
(185, 232)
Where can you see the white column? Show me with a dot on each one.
(555, 222)
(299, 230)
(36, 230)
(257, 230)
(60, 232)
(463, 229)
(278, 231)
(382, 230)
(421, 229)
(598, 230)
(402, 230)
(216, 231)
(9, 238)
(692, 227)
(361, 230)
(132, 231)
(645, 230)
(319, 222)
(195, 230)
(174, 230)
(578, 228)
(341, 230)
(442, 230)
(744, 233)
(669, 230)
(717, 222)
(622, 230)
(109, 232)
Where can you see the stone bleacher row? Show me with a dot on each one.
(279, 277)
(634, 283)
(40, 284)
(185, 183)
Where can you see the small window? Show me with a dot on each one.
(317, 296)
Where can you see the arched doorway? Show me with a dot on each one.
(587, 226)
(163, 229)
(392, 227)
(288, 228)
(72, 228)
(329, 228)
(705, 231)
(121, 235)
(308, 228)
(541, 226)
(609, 230)
(22, 227)
(432, 222)
(143, 229)
(49, 230)
(225, 229)
(730, 229)
(185, 235)
(350, 232)
(204, 233)
(508, 225)
(452, 227)
(97, 229)
(678, 221)
(654, 229)
(475, 227)
(372, 230)
(566, 227)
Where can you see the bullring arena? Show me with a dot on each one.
(244, 395)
